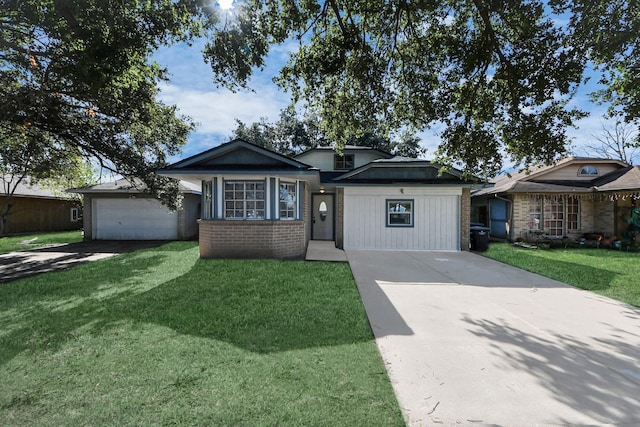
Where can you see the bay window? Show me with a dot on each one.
(244, 199)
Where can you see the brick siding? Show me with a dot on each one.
(253, 239)
(465, 219)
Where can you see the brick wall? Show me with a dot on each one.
(465, 218)
(603, 216)
(340, 218)
(253, 239)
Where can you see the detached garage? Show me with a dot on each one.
(121, 211)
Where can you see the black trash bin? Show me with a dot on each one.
(479, 238)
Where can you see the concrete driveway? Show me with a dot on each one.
(467, 340)
(15, 265)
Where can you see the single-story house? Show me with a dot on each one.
(120, 210)
(260, 204)
(37, 209)
(575, 196)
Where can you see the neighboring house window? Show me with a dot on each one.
(588, 170)
(288, 200)
(573, 214)
(346, 161)
(74, 214)
(535, 214)
(554, 216)
(399, 213)
(244, 199)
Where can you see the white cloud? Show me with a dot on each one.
(216, 111)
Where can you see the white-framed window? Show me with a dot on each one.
(588, 170)
(344, 161)
(573, 214)
(288, 200)
(75, 214)
(535, 214)
(399, 212)
(244, 199)
(208, 200)
(554, 216)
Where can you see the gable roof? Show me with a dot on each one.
(128, 186)
(347, 149)
(532, 181)
(237, 157)
(623, 179)
(235, 153)
(26, 188)
(401, 170)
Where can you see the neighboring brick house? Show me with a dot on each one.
(260, 204)
(36, 209)
(575, 196)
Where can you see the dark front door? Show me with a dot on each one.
(322, 217)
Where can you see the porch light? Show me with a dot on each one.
(322, 190)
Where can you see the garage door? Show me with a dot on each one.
(435, 222)
(133, 219)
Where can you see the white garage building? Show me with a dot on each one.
(121, 211)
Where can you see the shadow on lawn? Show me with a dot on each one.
(276, 306)
(598, 376)
(262, 306)
(44, 311)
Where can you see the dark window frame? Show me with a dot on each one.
(392, 216)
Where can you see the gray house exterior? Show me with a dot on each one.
(260, 204)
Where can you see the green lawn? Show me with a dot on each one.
(34, 241)
(615, 274)
(161, 337)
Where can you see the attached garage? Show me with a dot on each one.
(133, 219)
(122, 211)
(402, 218)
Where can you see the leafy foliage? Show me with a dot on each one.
(498, 75)
(76, 80)
(292, 135)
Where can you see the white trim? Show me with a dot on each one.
(267, 198)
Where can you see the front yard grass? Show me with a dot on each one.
(35, 241)
(611, 273)
(161, 337)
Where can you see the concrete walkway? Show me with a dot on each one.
(16, 265)
(470, 341)
(323, 250)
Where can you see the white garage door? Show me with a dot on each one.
(133, 219)
(436, 219)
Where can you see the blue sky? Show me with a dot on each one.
(191, 88)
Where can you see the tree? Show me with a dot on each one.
(292, 135)
(76, 78)
(498, 75)
(38, 161)
(289, 135)
(619, 142)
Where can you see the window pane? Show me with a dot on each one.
(400, 213)
(535, 214)
(287, 204)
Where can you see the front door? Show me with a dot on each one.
(322, 217)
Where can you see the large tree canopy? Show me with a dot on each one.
(292, 134)
(497, 74)
(75, 77)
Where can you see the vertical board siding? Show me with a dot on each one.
(436, 219)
